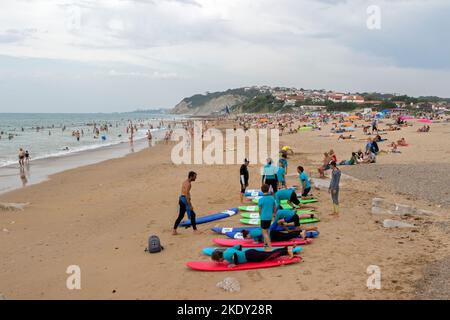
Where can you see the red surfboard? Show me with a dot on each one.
(246, 243)
(214, 266)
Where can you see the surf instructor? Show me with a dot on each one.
(185, 203)
(243, 172)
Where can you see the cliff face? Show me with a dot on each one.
(182, 108)
(209, 107)
(202, 105)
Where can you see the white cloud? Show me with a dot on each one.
(153, 75)
(227, 43)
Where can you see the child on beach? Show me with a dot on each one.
(334, 188)
(286, 194)
(235, 255)
(281, 173)
(275, 233)
(284, 161)
(267, 210)
(287, 216)
(185, 203)
(304, 181)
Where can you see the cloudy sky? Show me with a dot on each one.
(119, 55)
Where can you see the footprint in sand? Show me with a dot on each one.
(302, 286)
(255, 275)
(217, 201)
(150, 223)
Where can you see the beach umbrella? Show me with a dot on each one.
(264, 120)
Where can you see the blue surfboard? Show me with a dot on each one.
(211, 217)
(254, 194)
(209, 251)
(238, 235)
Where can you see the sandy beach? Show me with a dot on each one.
(100, 216)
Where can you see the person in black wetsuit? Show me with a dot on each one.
(243, 177)
(185, 204)
(275, 235)
(235, 255)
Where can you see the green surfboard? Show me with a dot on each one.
(257, 221)
(249, 208)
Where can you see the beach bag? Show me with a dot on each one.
(154, 244)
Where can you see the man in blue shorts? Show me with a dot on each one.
(304, 181)
(267, 210)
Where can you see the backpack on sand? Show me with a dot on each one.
(154, 245)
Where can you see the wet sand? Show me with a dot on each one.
(39, 170)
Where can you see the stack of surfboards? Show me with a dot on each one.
(250, 216)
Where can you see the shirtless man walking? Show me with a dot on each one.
(21, 157)
(186, 204)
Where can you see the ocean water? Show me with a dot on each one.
(20, 131)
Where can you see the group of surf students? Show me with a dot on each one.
(276, 224)
(274, 176)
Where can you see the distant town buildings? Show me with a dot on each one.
(299, 98)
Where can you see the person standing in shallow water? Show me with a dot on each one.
(334, 187)
(185, 204)
(21, 157)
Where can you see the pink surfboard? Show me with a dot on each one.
(246, 243)
(214, 266)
